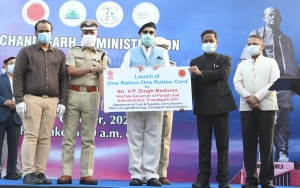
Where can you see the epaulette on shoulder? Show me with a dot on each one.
(77, 46)
(173, 62)
(100, 50)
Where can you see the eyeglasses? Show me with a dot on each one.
(150, 32)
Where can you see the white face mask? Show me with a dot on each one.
(88, 40)
(253, 50)
(10, 69)
(3, 71)
(209, 48)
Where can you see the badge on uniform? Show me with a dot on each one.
(78, 57)
(97, 60)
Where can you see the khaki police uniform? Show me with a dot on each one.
(83, 102)
(165, 139)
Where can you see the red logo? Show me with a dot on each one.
(110, 74)
(35, 12)
(181, 73)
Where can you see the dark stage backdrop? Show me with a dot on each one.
(181, 22)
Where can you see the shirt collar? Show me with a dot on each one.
(150, 47)
(38, 46)
(258, 58)
(210, 55)
(93, 50)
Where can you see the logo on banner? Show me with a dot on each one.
(182, 73)
(72, 13)
(35, 10)
(144, 13)
(109, 14)
(110, 74)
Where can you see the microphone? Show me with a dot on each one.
(158, 57)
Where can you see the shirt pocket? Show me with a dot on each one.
(55, 67)
(79, 63)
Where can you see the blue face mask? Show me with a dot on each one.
(147, 39)
(44, 37)
(10, 69)
(253, 50)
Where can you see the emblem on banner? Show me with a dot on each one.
(35, 10)
(181, 73)
(72, 13)
(109, 14)
(110, 74)
(144, 13)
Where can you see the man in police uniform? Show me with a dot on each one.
(280, 47)
(85, 65)
(166, 127)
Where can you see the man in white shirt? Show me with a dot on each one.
(144, 128)
(252, 79)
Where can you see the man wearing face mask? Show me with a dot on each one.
(213, 101)
(144, 128)
(252, 79)
(10, 121)
(280, 47)
(40, 87)
(85, 65)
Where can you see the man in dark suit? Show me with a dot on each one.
(10, 121)
(213, 101)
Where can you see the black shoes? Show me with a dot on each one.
(136, 182)
(11, 176)
(269, 185)
(250, 185)
(31, 179)
(224, 185)
(153, 182)
(42, 177)
(201, 184)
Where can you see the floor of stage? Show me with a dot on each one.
(101, 184)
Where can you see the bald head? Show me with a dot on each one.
(272, 17)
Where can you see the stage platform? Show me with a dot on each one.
(103, 184)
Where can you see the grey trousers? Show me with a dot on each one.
(144, 136)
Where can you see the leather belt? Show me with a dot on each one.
(43, 96)
(84, 88)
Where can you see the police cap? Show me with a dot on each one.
(89, 25)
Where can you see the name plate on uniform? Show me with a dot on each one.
(163, 89)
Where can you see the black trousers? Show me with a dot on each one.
(220, 125)
(258, 124)
(13, 132)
